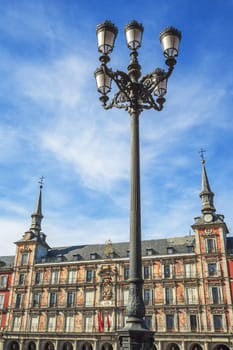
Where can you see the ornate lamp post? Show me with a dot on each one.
(135, 93)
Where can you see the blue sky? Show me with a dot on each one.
(52, 123)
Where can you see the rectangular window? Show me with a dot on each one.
(216, 295)
(72, 276)
(189, 270)
(212, 269)
(170, 322)
(167, 271)
(51, 323)
(88, 323)
(89, 275)
(21, 278)
(218, 324)
(69, 323)
(2, 297)
(126, 273)
(193, 322)
(38, 277)
(3, 281)
(34, 323)
(70, 298)
(53, 299)
(147, 296)
(16, 323)
(36, 299)
(18, 302)
(169, 295)
(89, 297)
(146, 272)
(170, 250)
(125, 296)
(24, 258)
(148, 322)
(191, 295)
(55, 277)
(211, 245)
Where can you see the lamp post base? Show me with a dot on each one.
(134, 336)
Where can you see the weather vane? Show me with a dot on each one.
(41, 181)
(201, 152)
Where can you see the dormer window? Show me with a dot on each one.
(190, 248)
(76, 257)
(170, 250)
(93, 256)
(60, 257)
(128, 253)
(149, 251)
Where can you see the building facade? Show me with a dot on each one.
(74, 298)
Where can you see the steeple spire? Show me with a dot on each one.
(37, 215)
(206, 195)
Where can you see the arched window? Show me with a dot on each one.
(14, 345)
(221, 347)
(106, 346)
(173, 346)
(196, 347)
(32, 346)
(87, 346)
(67, 346)
(49, 346)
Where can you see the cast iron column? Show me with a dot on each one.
(135, 93)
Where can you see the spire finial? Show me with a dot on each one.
(201, 152)
(37, 216)
(207, 196)
(41, 182)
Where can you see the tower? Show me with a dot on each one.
(211, 247)
(29, 249)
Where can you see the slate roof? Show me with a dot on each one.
(6, 262)
(159, 247)
(83, 252)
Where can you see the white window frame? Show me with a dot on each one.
(214, 249)
(24, 258)
(125, 296)
(16, 323)
(170, 271)
(191, 294)
(149, 293)
(3, 281)
(34, 324)
(55, 274)
(69, 323)
(223, 321)
(216, 273)
(51, 324)
(172, 296)
(89, 297)
(2, 299)
(189, 270)
(219, 291)
(72, 276)
(88, 323)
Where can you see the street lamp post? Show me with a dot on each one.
(135, 93)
